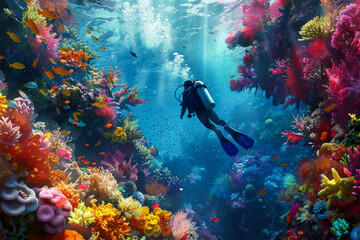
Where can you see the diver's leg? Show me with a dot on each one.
(215, 118)
(242, 139)
(227, 145)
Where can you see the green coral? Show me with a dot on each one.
(32, 14)
(73, 32)
(340, 228)
(17, 234)
(338, 187)
(289, 180)
(142, 155)
(318, 27)
(82, 215)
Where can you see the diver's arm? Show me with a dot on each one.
(184, 103)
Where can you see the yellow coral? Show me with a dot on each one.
(130, 207)
(101, 183)
(108, 222)
(118, 131)
(82, 215)
(148, 224)
(338, 187)
(318, 27)
(3, 104)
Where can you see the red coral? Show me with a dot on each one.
(23, 121)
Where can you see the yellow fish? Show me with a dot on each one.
(95, 38)
(98, 31)
(57, 110)
(66, 92)
(104, 37)
(35, 63)
(13, 36)
(65, 132)
(47, 136)
(75, 117)
(99, 104)
(64, 49)
(283, 164)
(43, 40)
(89, 27)
(82, 19)
(134, 96)
(68, 84)
(17, 65)
(52, 61)
(98, 143)
(329, 108)
(49, 74)
(48, 14)
(88, 32)
(102, 48)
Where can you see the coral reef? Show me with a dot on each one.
(82, 215)
(318, 27)
(340, 228)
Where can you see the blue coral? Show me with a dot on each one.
(340, 227)
(139, 196)
(174, 186)
(320, 210)
(355, 233)
(222, 187)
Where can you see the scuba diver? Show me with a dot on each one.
(196, 98)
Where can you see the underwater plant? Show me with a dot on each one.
(318, 27)
(340, 228)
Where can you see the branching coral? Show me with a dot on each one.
(129, 207)
(10, 133)
(25, 107)
(318, 27)
(108, 222)
(338, 187)
(122, 170)
(340, 228)
(74, 59)
(82, 215)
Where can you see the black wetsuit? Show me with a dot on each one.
(192, 102)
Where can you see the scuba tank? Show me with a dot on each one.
(204, 95)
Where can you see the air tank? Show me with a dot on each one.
(204, 95)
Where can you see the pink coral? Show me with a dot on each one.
(180, 224)
(38, 48)
(25, 107)
(10, 133)
(64, 153)
(122, 170)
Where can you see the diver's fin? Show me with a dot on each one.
(226, 144)
(242, 139)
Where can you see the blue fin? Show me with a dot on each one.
(242, 139)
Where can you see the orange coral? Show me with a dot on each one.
(71, 58)
(64, 235)
(56, 176)
(156, 189)
(108, 222)
(23, 121)
(70, 192)
(164, 221)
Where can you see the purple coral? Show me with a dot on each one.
(54, 209)
(17, 198)
(174, 187)
(9, 133)
(122, 170)
(354, 160)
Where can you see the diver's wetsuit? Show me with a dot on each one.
(192, 102)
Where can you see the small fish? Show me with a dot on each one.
(66, 92)
(22, 94)
(99, 104)
(62, 71)
(262, 191)
(156, 205)
(300, 233)
(98, 31)
(89, 27)
(43, 40)
(98, 143)
(30, 24)
(52, 61)
(12, 103)
(104, 37)
(67, 101)
(65, 132)
(283, 164)
(134, 96)
(86, 145)
(83, 187)
(293, 212)
(329, 108)
(275, 157)
(61, 202)
(27, 1)
(102, 153)
(64, 49)
(147, 100)
(35, 63)
(48, 14)
(75, 123)
(13, 36)
(31, 85)
(47, 136)
(49, 74)
(133, 54)
(95, 38)
(88, 32)
(102, 48)
(323, 136)
(215, 219)
(57, 110)
(82, 19)
(54, 87)
(109, 125)
(17, 65)
(1, 57)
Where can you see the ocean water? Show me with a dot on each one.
(93, 144)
